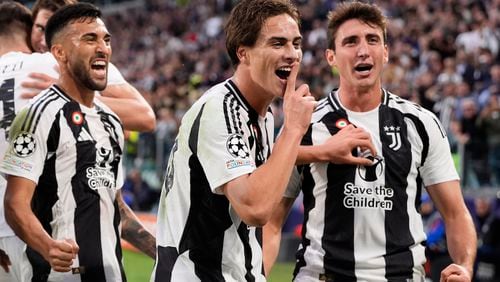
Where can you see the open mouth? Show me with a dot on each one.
(99, 65)
(283, 72)
(363, 67)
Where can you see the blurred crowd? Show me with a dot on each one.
(444, 55)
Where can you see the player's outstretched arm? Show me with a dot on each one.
(133, 110)
(460, 231)
(256, 195)
(339, 147)
(133, 231)
(59, 253)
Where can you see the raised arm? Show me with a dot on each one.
(133, 110)
(133, 231)
(18, 213)
(256, 195)
(460, 232)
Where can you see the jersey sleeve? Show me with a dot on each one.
(223, 149)
(27, 149)
(439, 166)
(114, 75)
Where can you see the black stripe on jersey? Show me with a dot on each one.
(227, 97)
(88, 210)
(46, 98)
(36, 110)
(167, 256)
(309, 203)
(398, 258)
(243, 233)
(237, 94)
(338, 234)
(44, 198)
(208, 218)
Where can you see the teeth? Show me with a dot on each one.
(285, 69)
(99, 63)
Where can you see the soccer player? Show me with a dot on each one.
(133, 110)
(64, 163)
(222, 181)
(16, 62)
(361, 222)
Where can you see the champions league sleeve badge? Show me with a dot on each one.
(24, 144)
(237, 147)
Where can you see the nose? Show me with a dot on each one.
(104, 47)
(362, 49)
(43, 44)
(292, 53)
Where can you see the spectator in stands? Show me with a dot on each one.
(488, 230)
(137, 193)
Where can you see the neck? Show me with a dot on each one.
(360, 99)
(11, 44)
(76, 91)
(258, 98)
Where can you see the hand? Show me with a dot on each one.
(4, 261)
(61, 254)
(455, 273)
(338, 148)
(298, 105)
(39, 82)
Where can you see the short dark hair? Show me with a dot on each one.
(247, 18)
(367, 13)
(13, 18)
(50, 5)
(67, 15)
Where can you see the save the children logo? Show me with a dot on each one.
(101, 176)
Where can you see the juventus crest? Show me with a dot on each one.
(394, 133)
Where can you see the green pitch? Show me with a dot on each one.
(138, 268)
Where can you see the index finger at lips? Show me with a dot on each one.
(292, 79)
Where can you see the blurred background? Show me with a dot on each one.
(444, 55)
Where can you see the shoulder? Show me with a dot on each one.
(408, 107)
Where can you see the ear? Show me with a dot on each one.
(386, 54)
(242, 54)
(330, 57)
(59, 53)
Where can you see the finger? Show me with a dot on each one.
(292, 79)
(359, 161)
(36, 84)
(74, 245)
(28, 95)
(5, 266)
(41, 76)
(61, 268)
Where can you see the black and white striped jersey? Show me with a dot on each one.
(14, 69)
(199, 235)
(74, 155)
(361, 223)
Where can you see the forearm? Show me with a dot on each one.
(135, 233)
(461, 240)
(311, 154)
(135, 115)
(28, 228)
(257, 196)
(270, 247)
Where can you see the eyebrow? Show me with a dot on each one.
(280, 38)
